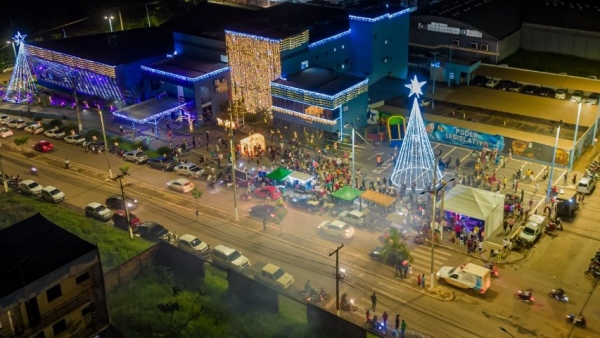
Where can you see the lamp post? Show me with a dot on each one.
(353, 178)
(443, 186)
(110, 175)
(339, 275)
(120, 19)
(4, 176)
(148, 15)
(14, 49)
(233, 159)
(571, 158)
(73, 83)
(120, 179)
(434, 70)
(109, 18)
(506, 331)
(553, 162)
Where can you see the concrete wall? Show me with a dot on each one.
(335, 54)
(561, 40)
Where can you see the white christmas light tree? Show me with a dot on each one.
(21, 86)
(415, 159)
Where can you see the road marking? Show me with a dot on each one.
(376, 154)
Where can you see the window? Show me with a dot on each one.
(455, 42)
(82, 278)
(53, 293)
(473, 45)
(484, 47)
(304, 64)
(59, 326)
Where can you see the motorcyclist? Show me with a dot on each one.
(559, 293)
(579, 319)
(322, 293)
(528, 294)
(307, 286)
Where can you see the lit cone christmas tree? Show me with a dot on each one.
(415, 159)
(21, 86)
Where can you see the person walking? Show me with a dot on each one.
(207, 136)
(565, 179)
(423, 281)
(67, 163)
(480, 245)
(537, 186)
(265, 224)
(368, 315)
(384, 317)
(419, 280)
(373, 301)
(121, 129)
(403, 328)
(516, 186)
(397, 327)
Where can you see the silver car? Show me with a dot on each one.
(135, 156)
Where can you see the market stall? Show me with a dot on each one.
(300, 182)
(279, 175)
(473, 207)
(253, 144)
(378, 200)
(346, 195)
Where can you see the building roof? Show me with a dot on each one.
(320, 80)
(573, 14)
(186, 66)
(115, 48)
(150, 110)
(33, 248)
(499, 18)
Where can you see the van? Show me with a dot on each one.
(466, 276)
(353, 217)
(586, 185)
(229, 258)
(530, 233)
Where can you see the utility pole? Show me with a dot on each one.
(433, 223)
(549, 189)
(4, 176)
(233, 159)
(337, 277)
(120, 179)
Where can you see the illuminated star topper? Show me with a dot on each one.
(415, 87)
(18, 38)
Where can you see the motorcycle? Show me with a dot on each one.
(558, 295)
(246, 196)
(551, 230)
(347, 305)
(33, 171)
(317, 297)
(576, 320)
(493, 268)
(524, 296)
(376, 326)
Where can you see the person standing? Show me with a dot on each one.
(207, 136)
(419, 280)
(121, 129)
(537, 186)
(423, 281)
(384, 317)
(373, 301)
(403, 328)
(265, 224)
(368, 315)
(480, 247)
(67, 163)
(397, 327)
(193, 142)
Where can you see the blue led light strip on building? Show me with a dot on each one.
(149, 118)
(331, 38)
(379, 18)
(319, 95)
(251, 36)
(185, 78)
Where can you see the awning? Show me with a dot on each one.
(347, 193)
(378, 198)
(150, 111)
(298, 176)
(279, 174)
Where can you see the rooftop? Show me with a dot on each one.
(320, 80)
(115, 48)
(33, 248)
(186, 66)
(499, 18)
(580, 14)
(149, 110)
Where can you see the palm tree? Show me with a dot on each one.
(394, 244)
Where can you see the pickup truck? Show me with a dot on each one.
(466, 276)
(272, 275)
(188, 169)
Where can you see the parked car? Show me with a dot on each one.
(478, 81)
(153, 231)
(529, 89)
(336, 229)
(55, 133)
(504, 84)
(577, 96)
(492, 83)
(17, 124)
(98, 211)
(34, 129)
(181, 184)
(263, 211)
(592, 99)
(545, 92)
(120, 220)
(43, 146)
(5, 132)
(162, 163)
(30, 187)
(75, 139)
(394, 256)
(193, 245)
(52, 194)
(229, 258)
(308, 203)
(95, 145)
(515, 87)
(135, 156)
(425, 102)
(4, 119)
(354, 217)
(268, 191)
(188, 169)
(560, 94)
(116, 202)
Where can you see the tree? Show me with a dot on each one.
(22, 140)
(196, 193)
(394, 244)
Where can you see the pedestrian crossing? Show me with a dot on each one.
(422, 259)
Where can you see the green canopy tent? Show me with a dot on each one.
(279, 174)
(346, 195)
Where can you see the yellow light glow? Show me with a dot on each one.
(305, 117)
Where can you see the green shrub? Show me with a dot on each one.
(164, 150)
(56, 123)
(89, 135)
(71, 127)
(140, 144)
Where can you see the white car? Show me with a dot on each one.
(492, 83)
(55, 133)
(577, 96)
(52, 194)
(17, 124)
(30, 187)
(560, 94)
(75, 139)
(336, 229)
(5, 132)
(34, 129)
(181, 185)
(193, 245)
(4, 119)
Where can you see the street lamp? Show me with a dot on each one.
(553, 162)
(120, 179)
(575, 137)
(110, 19)
(354, 183)
(105, 144)
(443, 186)
(4, 176)
(14, 48)
(73, 83)
(508, 333)
(434, 70)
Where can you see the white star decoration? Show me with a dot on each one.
(18, 38)
(415, 87)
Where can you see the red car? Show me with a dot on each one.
(43, 146)
(268, 191)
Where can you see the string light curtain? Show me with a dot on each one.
(255, 61)
(415, 159)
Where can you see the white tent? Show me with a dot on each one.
(483, 205)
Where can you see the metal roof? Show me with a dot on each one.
(115, 48)
(320, 80)
(187, 66)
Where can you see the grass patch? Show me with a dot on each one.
(553, 63)
(114, 244)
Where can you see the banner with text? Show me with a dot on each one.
(463, 137)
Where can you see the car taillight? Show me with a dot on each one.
(272, 215)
